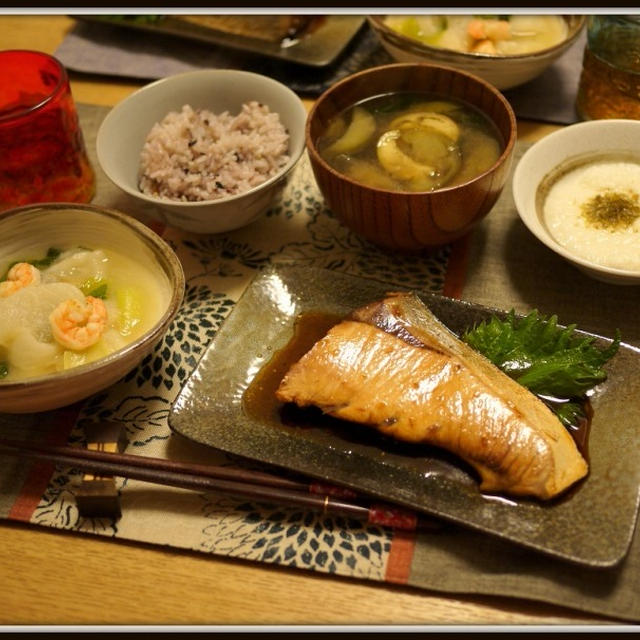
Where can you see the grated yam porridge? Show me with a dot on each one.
(195, 155)
(564, 206)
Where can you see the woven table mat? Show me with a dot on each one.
(505, 267)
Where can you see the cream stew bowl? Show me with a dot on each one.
(27, 229)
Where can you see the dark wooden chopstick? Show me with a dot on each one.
(236, 482)
(156, 464)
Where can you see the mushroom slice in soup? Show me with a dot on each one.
(421, 156)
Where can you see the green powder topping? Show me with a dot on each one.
(612, 210)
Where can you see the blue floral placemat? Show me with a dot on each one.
(218, 269)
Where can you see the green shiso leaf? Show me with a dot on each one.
(547, 359)
(570, 413)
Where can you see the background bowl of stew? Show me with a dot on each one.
(27, 233)
(411, 220)
(503, 71)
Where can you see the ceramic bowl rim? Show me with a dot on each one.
(159, 247)
(504, 156)
(378, 25)
(294, 154)
(527, 215)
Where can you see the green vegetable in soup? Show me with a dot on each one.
(130, 306)
(4, 370)
(96, 287)
(40, 263)
(360, 129)
(53, 254)
(427, 29)
(100, 291)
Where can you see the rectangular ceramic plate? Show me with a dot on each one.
(592, 525)
(318, 48)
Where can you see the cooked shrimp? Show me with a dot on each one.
(77, 326)
(492, 30)
(477, 29)
(22, 274)
(484, 46)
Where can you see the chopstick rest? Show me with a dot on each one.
(97, 495)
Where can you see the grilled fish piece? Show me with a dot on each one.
(394, 366)
(272, 28)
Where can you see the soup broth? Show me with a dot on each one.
(68, 307)
(411, 141)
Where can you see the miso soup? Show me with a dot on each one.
(411, 141)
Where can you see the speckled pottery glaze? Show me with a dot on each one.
(592, 524)
(411, 221)
(504, 72)
(25, 229)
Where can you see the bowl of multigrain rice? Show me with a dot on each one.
(207, 151)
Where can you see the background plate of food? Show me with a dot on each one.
(310, 40)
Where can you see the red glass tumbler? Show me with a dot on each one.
(42, 153)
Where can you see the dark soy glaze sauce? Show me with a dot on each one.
(579, 431)
(260, 397)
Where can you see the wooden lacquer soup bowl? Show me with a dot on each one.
(410, 220)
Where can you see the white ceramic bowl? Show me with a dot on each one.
(564, 147)
(24, 231)
(122, 134)
(503, 72)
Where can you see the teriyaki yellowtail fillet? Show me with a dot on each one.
(393, 366)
